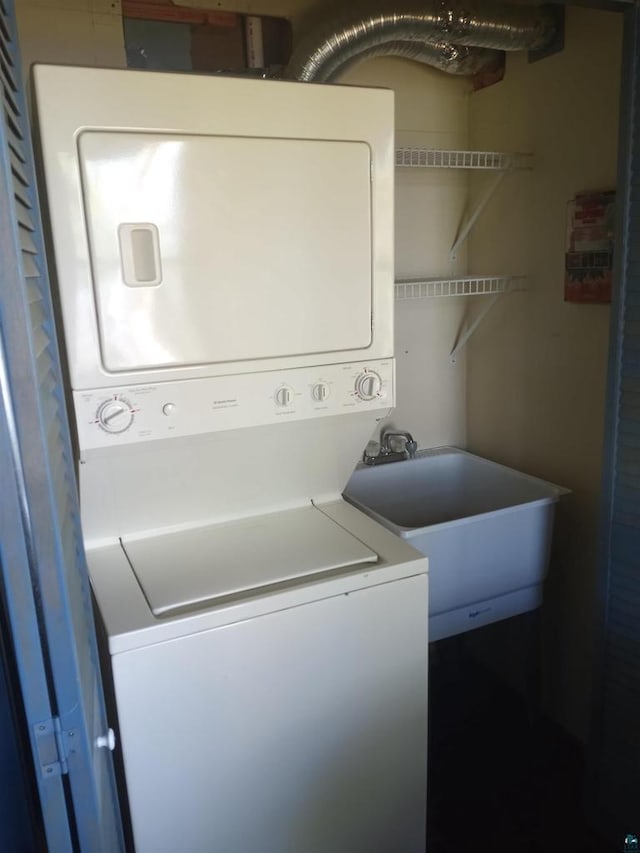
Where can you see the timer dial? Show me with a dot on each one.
(368, 385)
(115, 415)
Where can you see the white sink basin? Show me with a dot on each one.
(485, 528)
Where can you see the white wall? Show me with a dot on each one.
(537, 365)
(431, 111)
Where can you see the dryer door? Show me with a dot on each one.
(218, 249)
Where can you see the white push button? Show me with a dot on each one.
(168, 409)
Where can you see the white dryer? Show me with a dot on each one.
(223, 249)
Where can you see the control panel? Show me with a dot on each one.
(126, 415)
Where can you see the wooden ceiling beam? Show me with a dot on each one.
(152, 10)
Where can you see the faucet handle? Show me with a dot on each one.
(371, 452)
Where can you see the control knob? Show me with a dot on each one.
(320, 392)
(368, 385)
(114, 415)
(283, 396)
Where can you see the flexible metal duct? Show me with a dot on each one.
(452, 58)
(444, 33)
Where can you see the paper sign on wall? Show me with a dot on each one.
(589, 254)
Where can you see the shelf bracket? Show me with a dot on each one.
(473, 218)
(464, 338)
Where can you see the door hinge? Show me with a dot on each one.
(52, 753)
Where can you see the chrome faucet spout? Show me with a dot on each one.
(387, 452)
(410, 445)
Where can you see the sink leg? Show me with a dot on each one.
(532, 665)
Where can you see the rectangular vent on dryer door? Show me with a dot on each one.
(140, 254)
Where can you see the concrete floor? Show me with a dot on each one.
(498, 781)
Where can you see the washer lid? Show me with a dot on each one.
(208, 564)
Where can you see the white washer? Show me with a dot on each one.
(283, 713)
(226, 288)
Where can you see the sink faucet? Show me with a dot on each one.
(410, 445)
(387, 453)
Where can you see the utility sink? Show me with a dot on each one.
(485, 528)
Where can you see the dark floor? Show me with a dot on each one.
(498, 781)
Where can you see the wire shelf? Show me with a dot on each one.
(438, 159)
(429, 288)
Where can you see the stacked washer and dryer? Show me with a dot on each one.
(223, 250)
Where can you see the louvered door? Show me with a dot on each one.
(615, 742)
(44, 575)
